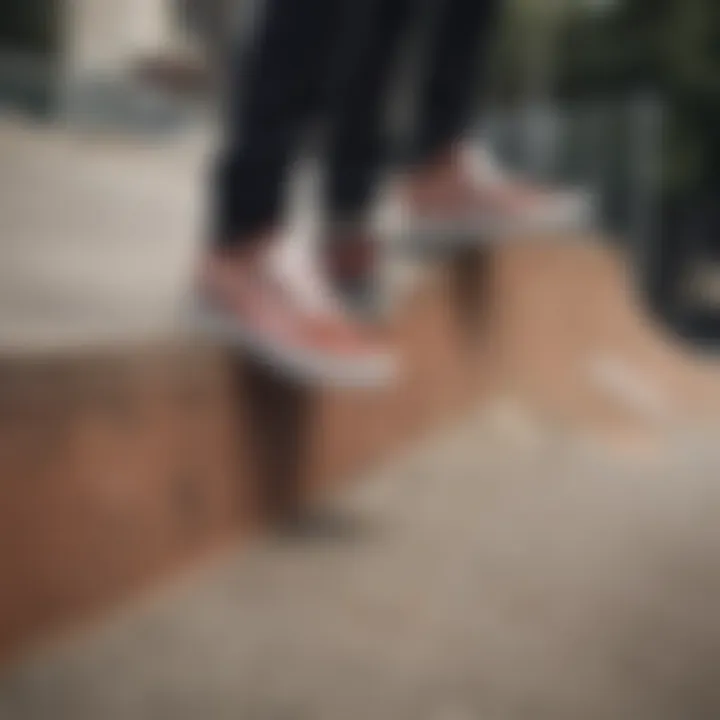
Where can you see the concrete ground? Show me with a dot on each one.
(507, 572)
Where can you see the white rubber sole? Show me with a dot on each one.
(564, 223)
(296, 364)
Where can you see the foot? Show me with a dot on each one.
(464, 196)
(282, 315)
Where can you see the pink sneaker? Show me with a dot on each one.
(463, 197)
(246, 301)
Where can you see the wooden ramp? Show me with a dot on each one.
(119, 469)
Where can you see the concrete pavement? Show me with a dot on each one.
(509, 571)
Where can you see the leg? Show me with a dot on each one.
(457, 61)
(456, 193)
(251, 296)
(357, 112)
(453, 63)
(359, 105)
(277, 91)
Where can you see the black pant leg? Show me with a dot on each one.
(278, 88)
(358, 103)
(456, 63)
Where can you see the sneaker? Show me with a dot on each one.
(465, 198)
(288, 322)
